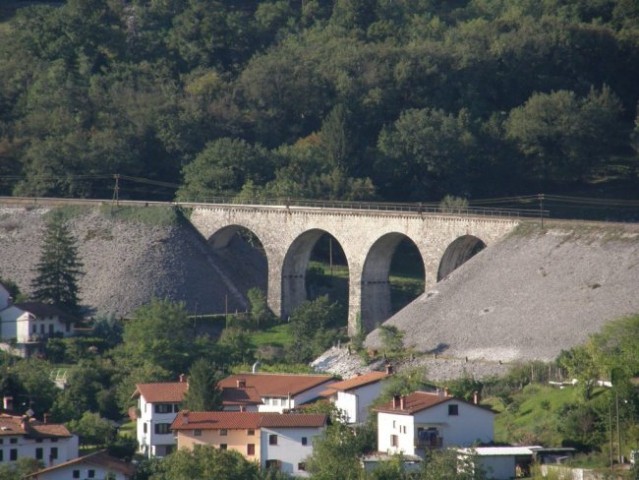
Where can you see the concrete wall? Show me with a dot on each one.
(367, 237)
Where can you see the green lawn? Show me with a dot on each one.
(533, 414)
(279, 335)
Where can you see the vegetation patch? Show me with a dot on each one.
(67, 212)
(149, 215)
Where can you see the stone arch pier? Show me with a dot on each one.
(368, 239)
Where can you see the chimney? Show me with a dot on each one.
(24, 423)
(182, 377)
(389, 369)
(402, 402)
(396, 401)
(185, 417)
(7, 403)
(476, 397)
(241, 383)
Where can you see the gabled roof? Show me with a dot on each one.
(163, 392)
(100, 459)
(42, 310)
(240, 396)
(357, 381)
(12, 425)
(276, 384)
(419, 401)
(245, 420)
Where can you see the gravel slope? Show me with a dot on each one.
(128, 263)
(527, 297)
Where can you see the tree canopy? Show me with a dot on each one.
(338, 99)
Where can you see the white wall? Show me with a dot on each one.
(356, 402)
(66, 473)
(150, 442)
(470, 425)
(289, 449)
(67, 449)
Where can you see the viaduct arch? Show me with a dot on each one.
(368, 238)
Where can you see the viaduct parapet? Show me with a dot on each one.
(368, 238)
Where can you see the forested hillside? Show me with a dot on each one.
(402, 100)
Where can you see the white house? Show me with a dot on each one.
(355, 395)
(158, 404)
(424, 420)
(279, 392)
(24, 437)
(25, 326)
(97, 466)
(273, 440)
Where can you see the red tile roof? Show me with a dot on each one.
(276, 384)
(240, 396)
(418, 401)
(165, 392)
(358, 381)
(244, 420)
(11, 425)
(100, 459)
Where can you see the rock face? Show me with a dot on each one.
(527, 297)
(127, 262)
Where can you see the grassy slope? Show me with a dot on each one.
(532, 416)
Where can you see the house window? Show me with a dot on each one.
(224, 432)
(273, 464)
(272, 439)
(51, 331)
(42, 328)
(162, 428)
(304, 441)
(68, 327)
(1, 455)
(39, 453)
(91, 474)
(13, 454)
(223, 446)
(453, 409)
(76, 473)
(13, 440)
(394, 424)
(35, 329)
(250, 449)
(301, 466)
(176, 407)
(250, 432)
(394, 441)
(197, 433)
(163, 408)
(54, 453)
(145, 428)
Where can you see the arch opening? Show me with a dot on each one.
(459, 252)
(393, 276)
(315, 265)
(240, 251)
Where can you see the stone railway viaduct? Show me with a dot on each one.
(368, 238)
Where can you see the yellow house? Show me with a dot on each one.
(273, 440)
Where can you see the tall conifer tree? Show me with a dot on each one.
(59, 268)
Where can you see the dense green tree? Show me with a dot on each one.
(261, 315)
(59, 268)
(160, 334)
(20, 468)
(336, 454)
(34, 388)
(205, 461)
(222, 168)
(203, 394)
(427, 150)
(310, 328)
(93, 429)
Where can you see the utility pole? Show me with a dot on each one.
(116, 192)
(541, 209)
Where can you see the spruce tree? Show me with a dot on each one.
(203, 394)
(59, 268)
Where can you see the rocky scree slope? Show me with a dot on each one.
(127, 262)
